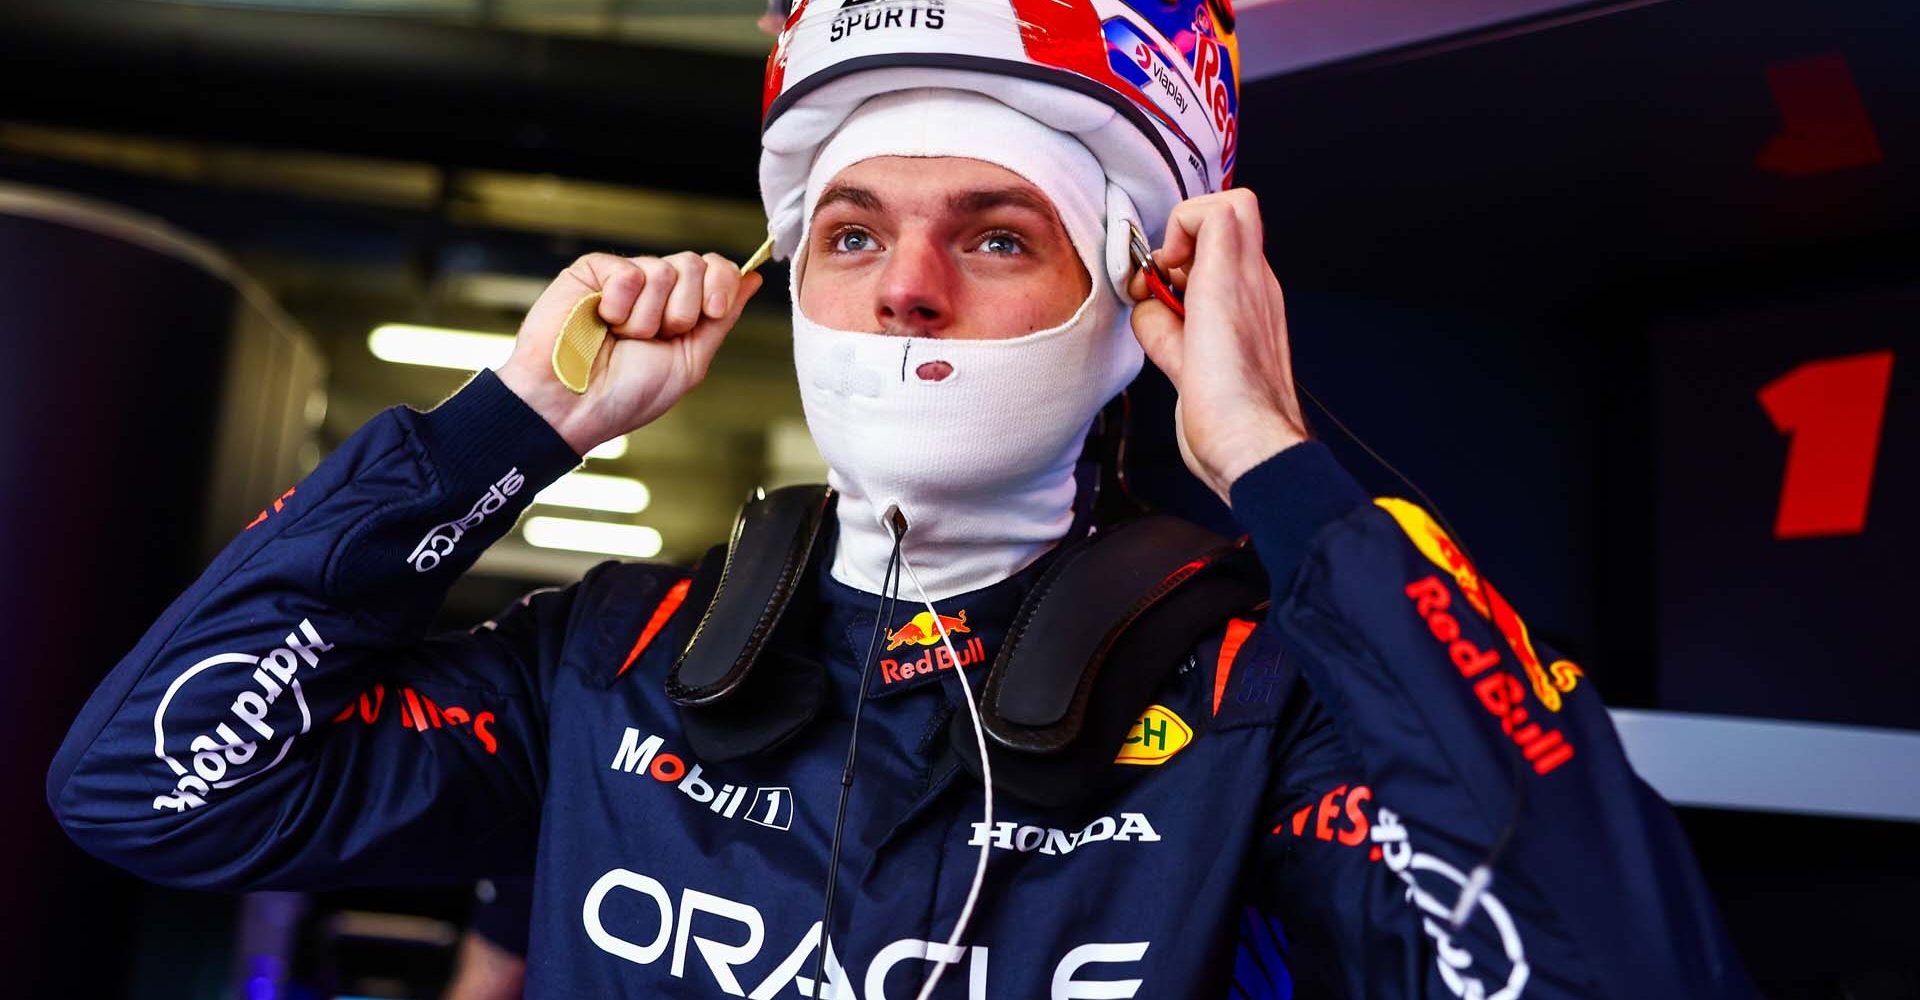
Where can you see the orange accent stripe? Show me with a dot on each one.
(668, 605)
(1237, 631)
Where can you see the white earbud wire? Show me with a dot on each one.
(952, 951)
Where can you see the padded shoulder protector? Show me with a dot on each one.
(1100, 632)
(731, 702)
(1102, 629)
(773, 538)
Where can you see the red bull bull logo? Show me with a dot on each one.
(922, 630)
(1548, 682)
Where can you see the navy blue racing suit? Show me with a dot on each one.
(1296, 811)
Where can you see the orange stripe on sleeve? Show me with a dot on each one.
(668, 605)
(1237, 631)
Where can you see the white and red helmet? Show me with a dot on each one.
(1150, 87)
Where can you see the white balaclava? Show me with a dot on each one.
(981, 461)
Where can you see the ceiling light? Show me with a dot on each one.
(611, 449)
(586, 490)
(515, 293)
(439, 348)
(630, 540)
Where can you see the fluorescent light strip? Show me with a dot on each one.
(589, 491)
(611, 449)
(632, 541)
(1775, 765)
(434, 347)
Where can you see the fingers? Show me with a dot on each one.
(1158, 328)
(593, 271)
(685, 298)
(1138, 289)
(1215, 233)
(722, 287)
(657, 278)
(619, 292)
(644, 297)
(705, 339)
(621, 281)
(651, 296)
(1161, 335)
(1228, 221)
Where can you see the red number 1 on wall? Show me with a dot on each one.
(1832, 409)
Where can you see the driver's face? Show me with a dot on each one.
(938, 247)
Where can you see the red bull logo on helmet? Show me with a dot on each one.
(1181, 60)
(1216, 68)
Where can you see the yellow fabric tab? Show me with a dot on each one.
(579, 344)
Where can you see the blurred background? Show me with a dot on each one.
(1630, 289)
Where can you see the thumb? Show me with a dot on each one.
(1162, 335)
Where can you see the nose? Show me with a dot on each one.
(915, 297)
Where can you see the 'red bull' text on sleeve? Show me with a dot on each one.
(1445, 714)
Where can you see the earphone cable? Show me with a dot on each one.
(889, 588)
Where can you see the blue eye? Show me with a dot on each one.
(1002, 244)
(852, 241)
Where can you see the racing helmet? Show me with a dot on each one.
(1150, 87)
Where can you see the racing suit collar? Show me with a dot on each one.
(977, 622)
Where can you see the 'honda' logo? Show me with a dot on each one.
(1047, 840)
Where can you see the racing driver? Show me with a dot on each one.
(1367, 780)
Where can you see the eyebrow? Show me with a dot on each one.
(969, 202)
(962, 202)
(857, 196)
